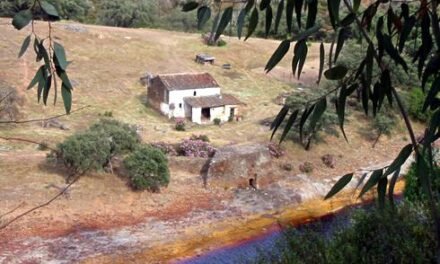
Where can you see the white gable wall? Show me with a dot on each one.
(176, 98)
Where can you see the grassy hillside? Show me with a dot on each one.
(108, 62)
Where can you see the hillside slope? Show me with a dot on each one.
(106, 66)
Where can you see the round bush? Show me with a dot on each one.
(147, 169)
(402, 236)
(122, 137)
(84, 152)
(413, 188)
(416, 99)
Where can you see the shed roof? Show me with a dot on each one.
(205, 57)
(212, 101)
(188, 81)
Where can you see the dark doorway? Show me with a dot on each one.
(232, 114)
(206, 113)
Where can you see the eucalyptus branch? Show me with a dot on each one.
(383, 68)
(25, 140)
(43, 119)
(435, 23)
(62, 192)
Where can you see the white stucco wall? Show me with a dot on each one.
(218, 112)
(176, 98)
(164, 108)
(196, 115)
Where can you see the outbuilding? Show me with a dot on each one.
(196, 96)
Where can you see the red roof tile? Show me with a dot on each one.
(187, 81)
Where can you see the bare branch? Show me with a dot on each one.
(25, 140)
(11, 211)
(43, 119)
(62, 192)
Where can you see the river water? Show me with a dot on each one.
(270, 244)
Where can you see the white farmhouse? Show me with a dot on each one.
(196, 96)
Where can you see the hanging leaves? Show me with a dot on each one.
(340, 43)
(339, 185)
(432, 94)
(50, 10)
(264, 4)
(253, 22)
(372, 181)
(269, 17)
(333, 11)
(312, 6)
(400, 159)
(320, 108)
(299, 57)
(189, 6)
(224, 21)
(203, 15)
(298, 10)
(290, 5)
(278, 120)
(278, 55)
(321, 61)
(336, 73)
(279, 14)
(289, 125)
(382, 191)
(240, 22)
(24, 46)
(22, 19)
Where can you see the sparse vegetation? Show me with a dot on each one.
(167, 149)
(9, 102)
(201, 137)
(217, 121)
(306, 167)
(147, 169)
(415, 101)
(196, 148)
(276, 150)
(180, 124)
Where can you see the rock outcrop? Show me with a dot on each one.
(237, 165)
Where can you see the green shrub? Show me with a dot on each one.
(89, 151)
(405, 236)
(92, 150)
(217, 121)
(221, 43)
(415, 101)
(201, 137)
(136, 13)
(123, 138)
(413, 189)
(180, 125)
(73, 9)
(384, 122)
(402, 236)
(147, 169)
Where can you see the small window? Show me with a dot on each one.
(195, 93)
(180, 105)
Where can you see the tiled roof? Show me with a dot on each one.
(212, 101)
(187, 81)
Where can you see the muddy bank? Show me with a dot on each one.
(244, 214)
